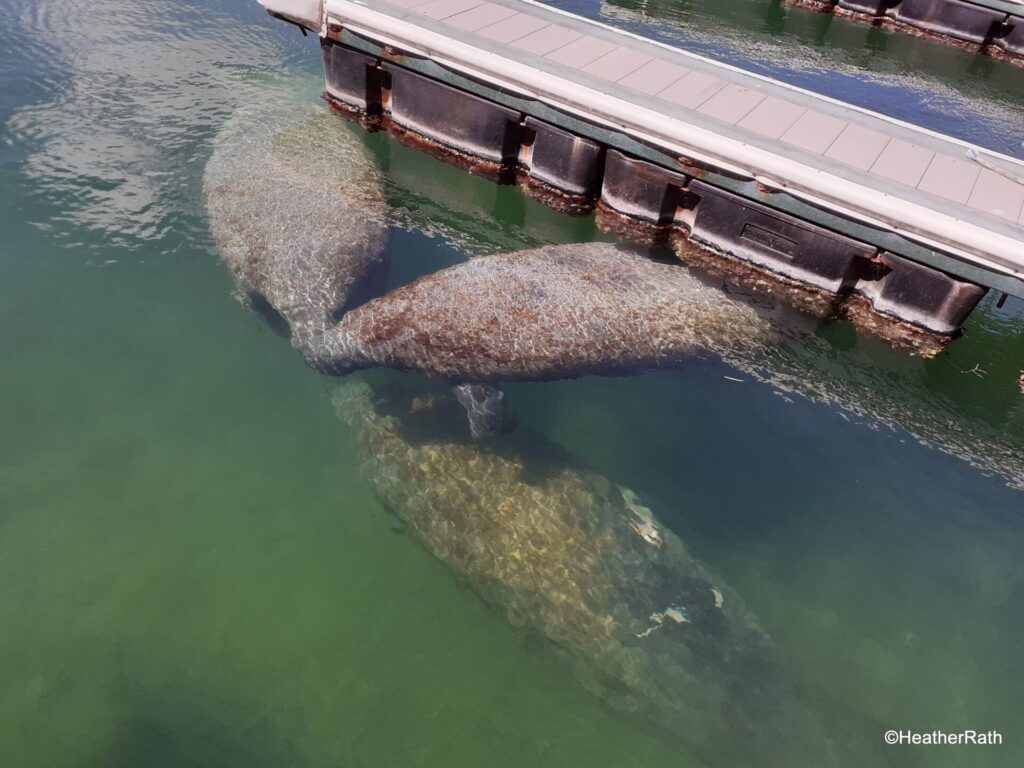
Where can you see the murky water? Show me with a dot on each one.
(195, 566)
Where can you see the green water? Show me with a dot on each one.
(194, 571)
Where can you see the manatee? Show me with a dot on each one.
(297, 211)
(554, 312)
(572, 310)
(567, 555)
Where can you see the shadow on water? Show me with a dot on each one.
(270, 316)
(470, 213)
(177, 743)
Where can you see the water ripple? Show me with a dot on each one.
(133, 92)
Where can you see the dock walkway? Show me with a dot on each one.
(873, 168)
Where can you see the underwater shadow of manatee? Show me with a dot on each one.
(175, 727)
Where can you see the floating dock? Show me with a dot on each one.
(995, 27)
(841, 211)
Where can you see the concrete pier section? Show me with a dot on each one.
(839, 211)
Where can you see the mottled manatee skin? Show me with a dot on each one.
(555, 312)
(297, 211)
(561, 551)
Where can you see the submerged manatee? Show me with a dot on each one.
(568, 555)
(297, 210)
(554, 312)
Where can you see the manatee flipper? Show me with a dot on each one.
(486, 409)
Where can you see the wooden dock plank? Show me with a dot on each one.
(546, 40)
(512, 28)
(408, 3)
(998, 195)
(772, 117)
(654, 77)
(732, 103)
(693, 90)
(814, 132)
(581, 52)
(442, 9)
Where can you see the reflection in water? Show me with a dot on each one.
(965, 403)
(565, 553)
(921, 81)
(472, 214)
(115, 136)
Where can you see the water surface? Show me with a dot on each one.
(195, 572)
